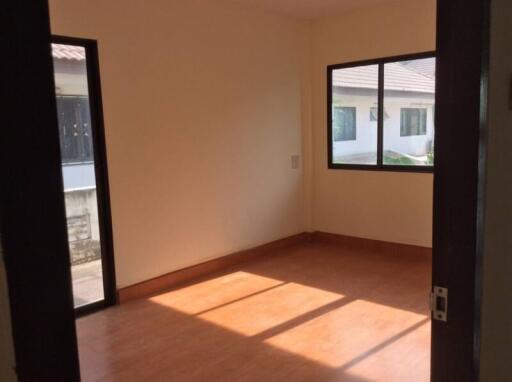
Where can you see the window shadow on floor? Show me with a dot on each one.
(148, 342)
(311, 313)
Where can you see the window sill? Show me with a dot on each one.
(385, 168)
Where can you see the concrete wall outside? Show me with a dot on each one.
(83, 225)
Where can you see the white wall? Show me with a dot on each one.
(417, 145)
(78, 176)
(496, 353)
(203, 110)
(387, 206)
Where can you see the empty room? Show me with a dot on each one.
(240, 190)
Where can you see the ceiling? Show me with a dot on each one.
(308, 9)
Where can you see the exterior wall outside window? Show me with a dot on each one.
(366, 137)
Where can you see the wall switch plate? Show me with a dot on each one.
(295, 161)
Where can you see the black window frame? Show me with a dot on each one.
(379, 166)
(101, 172)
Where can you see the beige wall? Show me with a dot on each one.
(497, 280)
(394, 207)
(202, 103)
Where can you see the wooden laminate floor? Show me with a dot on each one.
(315, 312)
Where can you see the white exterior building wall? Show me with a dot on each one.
(417, 145)
(80, 175)
(366, 130)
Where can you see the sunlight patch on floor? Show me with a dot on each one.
(266, 310)
(215, 292)
(358, 327)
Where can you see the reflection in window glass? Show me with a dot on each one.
(354, 134)
(409, 99)
(77, 155)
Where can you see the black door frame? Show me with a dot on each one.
(100, 169)
(37, 259)
(32, 214)
(460, 151)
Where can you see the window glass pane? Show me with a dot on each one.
(74, 128)
(74, 117)
(354, 105)
(409, 96)
(344, 123)
(374, 114)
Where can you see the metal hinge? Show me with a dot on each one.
(439, 303)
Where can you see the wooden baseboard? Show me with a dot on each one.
(183, 276)
(190, 274)
(370, 245)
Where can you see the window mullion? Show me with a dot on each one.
(380, 119)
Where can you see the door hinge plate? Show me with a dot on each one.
(439, 303)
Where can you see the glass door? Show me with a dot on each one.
(84, 172)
